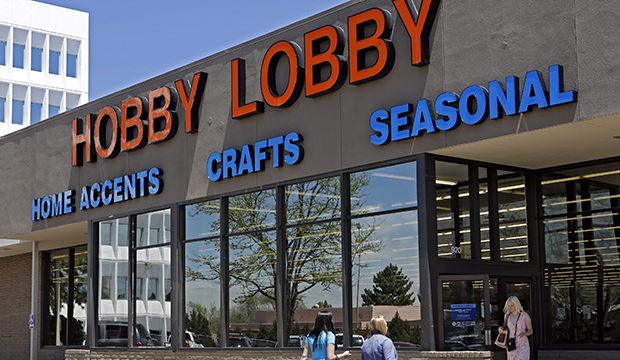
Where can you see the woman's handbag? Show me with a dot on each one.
(502, 338)
(512, 344)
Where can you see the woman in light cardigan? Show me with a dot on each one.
(378, 346)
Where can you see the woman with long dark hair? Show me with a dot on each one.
(321, 342)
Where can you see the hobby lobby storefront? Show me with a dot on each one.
(417, 160)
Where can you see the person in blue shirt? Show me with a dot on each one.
(321, 342)
(378, 346)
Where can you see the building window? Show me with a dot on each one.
(36, 59)
(168, 289)
(121, 288)
(469, 219)
(139, 289)
(384, 243)
(106, 287)
(202, 264)
(152, 289)
(383, 239)
(35, 113)
(582, 272)
(65, 297)
(2, 52)
(53, 110)
(54, 62)
(113, 271)
(71, 65)
(18, 56)
(151, 263)
(105, 233)
(123, 234)
(2, 109)
(18, 112)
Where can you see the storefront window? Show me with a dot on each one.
(500, 217)
(66, 297)
(513, 243)
(581, 250)
(153, 311)
(384, 249)
(313, 201)
(252, 269)
(453, 232)
(153, 228)
(202, 274)
(152, 264)
(113, 265)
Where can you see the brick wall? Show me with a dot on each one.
(15, 283)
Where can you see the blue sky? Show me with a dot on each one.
(135, 40)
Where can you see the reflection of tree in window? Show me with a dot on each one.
(59, 300)
(152, 289)
(313, 249)
(391, 287)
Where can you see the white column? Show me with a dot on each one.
(45, 107)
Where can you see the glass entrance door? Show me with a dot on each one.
(505, 288)
(465, 312)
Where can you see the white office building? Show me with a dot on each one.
(43, 62)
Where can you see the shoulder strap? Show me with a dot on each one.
(517, 323)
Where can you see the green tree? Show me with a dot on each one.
(197, 319)
(391, 287)
(313, 251)
(399, 330)
(268, 332)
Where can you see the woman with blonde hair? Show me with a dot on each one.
(519, 327)
(378, 346)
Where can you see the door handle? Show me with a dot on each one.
(487, 337)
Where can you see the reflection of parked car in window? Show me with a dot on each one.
(400, 344)
(114, 333)
(473, 342)
(455, 346)
(191, 340)
(358, 340)
(296, 341)
(239, 340)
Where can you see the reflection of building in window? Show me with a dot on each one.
(105, 233)
(105, 287)
(121, 288)
(152, 276)
(139, 289)
(152, 289)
